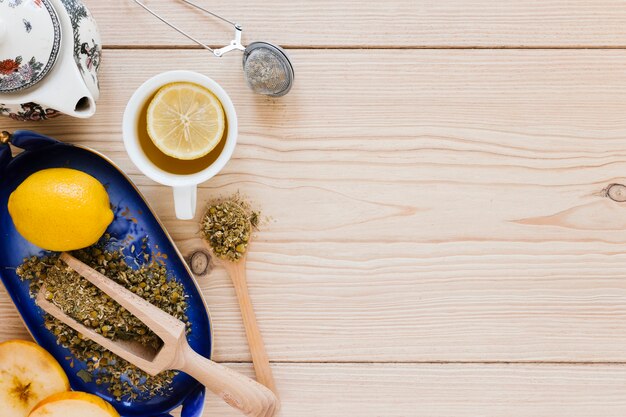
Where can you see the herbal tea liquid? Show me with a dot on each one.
(167, 163)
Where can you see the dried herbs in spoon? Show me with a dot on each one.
(227, 226)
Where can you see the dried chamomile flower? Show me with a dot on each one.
(227, 226)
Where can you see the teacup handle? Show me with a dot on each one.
(185, 198)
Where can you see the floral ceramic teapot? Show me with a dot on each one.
(49, 57)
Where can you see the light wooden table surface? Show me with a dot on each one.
(443, 244)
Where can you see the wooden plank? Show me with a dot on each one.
(389, 24)
(427, 205)
(373, 390)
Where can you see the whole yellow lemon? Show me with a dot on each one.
(60, 209)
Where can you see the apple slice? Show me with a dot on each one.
(73, 404)
(28, 374)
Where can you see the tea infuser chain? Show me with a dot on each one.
(197, 6)
(235, 44)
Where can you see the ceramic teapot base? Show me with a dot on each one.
(28, 112)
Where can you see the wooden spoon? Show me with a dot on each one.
(260, 360)
(239, 391)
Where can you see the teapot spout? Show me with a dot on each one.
(85, 107)
(77, 101)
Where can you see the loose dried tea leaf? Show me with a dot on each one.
(84, 302)
(84, 375)
(227, 226)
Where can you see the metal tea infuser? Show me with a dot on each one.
(266, 67)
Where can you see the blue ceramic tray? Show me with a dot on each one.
(133, 221)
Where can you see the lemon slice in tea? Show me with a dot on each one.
(185, 121)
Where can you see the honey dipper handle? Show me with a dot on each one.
(237, 390)
(264, 375)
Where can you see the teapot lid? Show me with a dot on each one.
(30, 39)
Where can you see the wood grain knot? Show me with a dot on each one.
(200, 262)
(616, 192)
(232, 401)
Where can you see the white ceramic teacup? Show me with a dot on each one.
(185, 186)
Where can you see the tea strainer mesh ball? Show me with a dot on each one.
(266, 67)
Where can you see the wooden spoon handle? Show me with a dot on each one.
(264, 375)
(237, 390)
